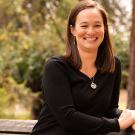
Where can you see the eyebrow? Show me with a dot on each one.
(83, 22)
(97, 22)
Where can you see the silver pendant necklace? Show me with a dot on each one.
(93, 85)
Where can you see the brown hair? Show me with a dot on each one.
(105, 61)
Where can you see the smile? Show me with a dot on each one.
(91, 38)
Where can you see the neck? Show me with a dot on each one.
(88, 64)
(88, 59)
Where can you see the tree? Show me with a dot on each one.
(30, 32)
(131, 80)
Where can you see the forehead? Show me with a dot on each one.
(89, 15)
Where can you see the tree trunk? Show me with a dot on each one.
(131, 80)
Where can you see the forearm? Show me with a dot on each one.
(127, 119)
(113, 113)
(86, 124)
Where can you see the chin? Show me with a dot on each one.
(93, 46)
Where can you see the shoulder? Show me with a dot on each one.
(55, 62)
(117, 61)
(117, 64)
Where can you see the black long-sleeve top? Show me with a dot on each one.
(71, 104)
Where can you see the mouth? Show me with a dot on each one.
(91, 39)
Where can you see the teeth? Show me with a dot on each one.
(91, 39)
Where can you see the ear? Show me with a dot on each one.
(72, 29)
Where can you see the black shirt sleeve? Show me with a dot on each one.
(113, 111)
(59, 99)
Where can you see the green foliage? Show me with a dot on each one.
(122, 51)
(30, 33)
(3, 101)
(27, 54)
(14, 99)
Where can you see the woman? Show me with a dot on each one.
(81, 89)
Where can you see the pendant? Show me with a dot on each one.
(93, 85)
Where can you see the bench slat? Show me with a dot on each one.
(16, 126)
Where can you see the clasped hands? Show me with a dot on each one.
(127, 119)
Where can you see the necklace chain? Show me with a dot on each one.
(92, 79)
(93, 85)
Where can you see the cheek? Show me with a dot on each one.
(101, 33)
(80, 34)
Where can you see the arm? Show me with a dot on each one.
(113, 111)
(59, 99)
(126, 117)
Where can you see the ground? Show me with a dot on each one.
(123, 99)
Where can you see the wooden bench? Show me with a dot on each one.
(16, 127)
(24, 127)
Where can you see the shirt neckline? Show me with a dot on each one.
(86, 76)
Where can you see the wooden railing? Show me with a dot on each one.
(24, 127)
(16, 127)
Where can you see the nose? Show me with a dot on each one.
(90, 30)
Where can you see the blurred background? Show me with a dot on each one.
(31, 31)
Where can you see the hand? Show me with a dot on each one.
(133, 126)
(127, 118)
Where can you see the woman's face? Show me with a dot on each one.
(89, 30)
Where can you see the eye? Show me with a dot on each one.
(84, 26)
(97, 25)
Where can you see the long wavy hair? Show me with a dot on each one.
(105, 61)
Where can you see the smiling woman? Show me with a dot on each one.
(81, 89)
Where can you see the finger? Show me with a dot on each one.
(133, 127)
(133, 113)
